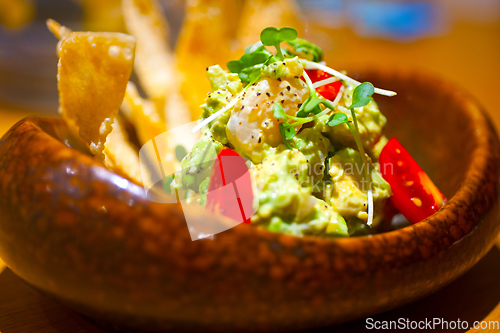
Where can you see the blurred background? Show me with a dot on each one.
(457, 39)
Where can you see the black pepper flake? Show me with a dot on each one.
(256, 105)
(299, 105)
(268, 94)
(296, 77)
(279, 79)
(281, 93)
(295, 95)
(288, 88)
(207, 68)
(242, 107)
(258, 94)
(253, 136)
(282, 101)
(284, 64)
(260, 139)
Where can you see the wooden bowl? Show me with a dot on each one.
(88, 237)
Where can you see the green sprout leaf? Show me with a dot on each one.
(337, 119)
(235, 66)
(278, 111)
(312, 106)
(249, 63)
(180, 152)
(272, 36)
(362, 95)
(255, 58)
(167, 182)
(307, 49)
(255, 48)
(254, 76)
(287, 133)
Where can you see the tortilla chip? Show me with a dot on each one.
(102, 15)
(93, 72)
(205, 40)
(59, 31)
(142, 113)
(154, 62)
(120, 154)
(259, 14)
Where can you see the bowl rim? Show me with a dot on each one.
(437, 254)
(486, 141)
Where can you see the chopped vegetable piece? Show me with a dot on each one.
(231, 182)
(328, 91)
(415, 195)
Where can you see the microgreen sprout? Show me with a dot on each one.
(306, 49)
(331, 71)
(286, 130)
(272, 36)
(337, 119)
(362, 95)
(250, 62)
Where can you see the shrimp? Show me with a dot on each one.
(252, 126)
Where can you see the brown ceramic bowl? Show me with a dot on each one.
(79, 232)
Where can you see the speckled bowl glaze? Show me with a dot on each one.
(79, 232)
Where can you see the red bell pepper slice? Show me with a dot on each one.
(328, 91)
(230, 188)
(414, 193)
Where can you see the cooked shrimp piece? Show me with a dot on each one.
(252, 126)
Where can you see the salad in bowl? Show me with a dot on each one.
(312, 139)
(294, 153)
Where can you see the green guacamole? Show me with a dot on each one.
(314, 184)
